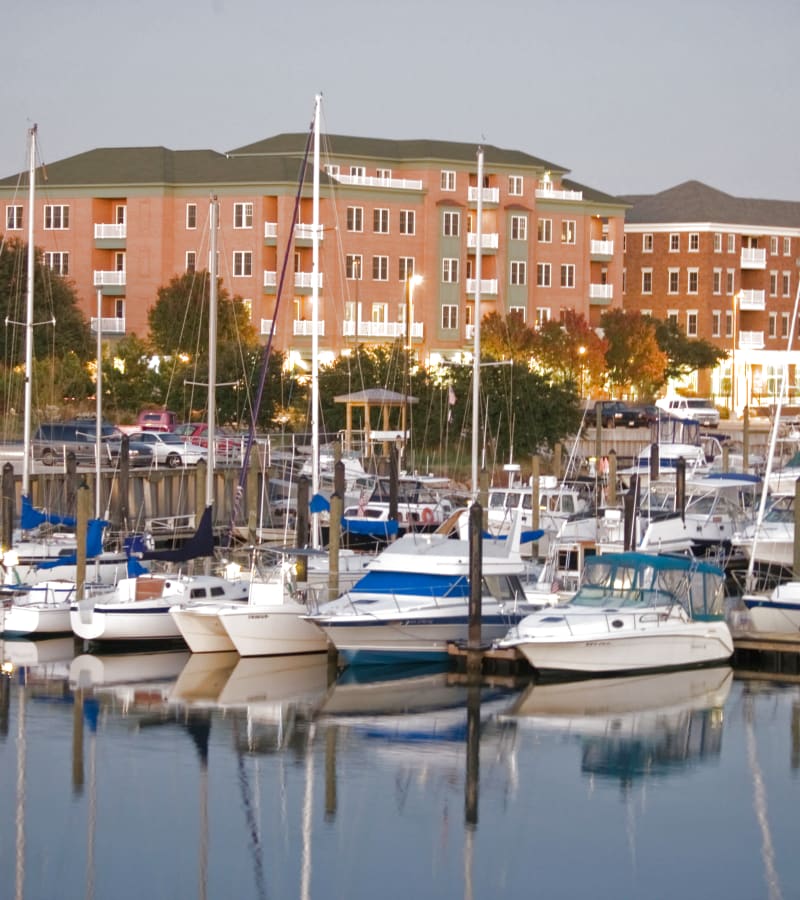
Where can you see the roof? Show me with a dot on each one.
(694, 201)
(376, 396)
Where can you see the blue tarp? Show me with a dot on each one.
(371, 527)
(32, 518)
(94, 546)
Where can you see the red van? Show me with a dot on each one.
(157, 420)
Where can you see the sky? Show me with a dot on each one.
(631, 96)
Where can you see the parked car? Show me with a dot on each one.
(227, 444)
(53, 440)
(647, 413)
(170, 449)
(613, 413)
(695, 409)
(140, 454)
(157, 420)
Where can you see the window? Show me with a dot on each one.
(691, 323)
(542, 274)
(784, 325)
(191, 215)
(13, 218)
(647, 281)
(544, 231)
(731, 243)
(450, 271)
(242, 215)
(674, 243)
(672, 315)
(379, 313)
(332, 170)
(673, 281)
(57, 262)
(717, 242)
(353, 266)
(358, 172)
(519, 228)
(772, 326)
(56, 217)
(568, 231)
(191, 261)
(647, 243)
(380, 268)
(448, 182)
(694, 242)
(451, 223)
(449, 315)
(773, 249)
(380, 221)
(728, 323)
(568, 275)
(520, 311)
(355, 218)
(786, 280)
(519, 271)
(383, 174)
(242, 263)
(405, 267)
(693, 280)
(717, 281)
(515, 185)
(542, 315)
(624, 280)
(773, 284)
(407, 221)
(787, 246)
(730, 276)
(716, 322)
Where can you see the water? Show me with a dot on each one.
(176, 776)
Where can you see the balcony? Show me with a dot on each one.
(550, 193)
(306, 232)
(110, 232)
(488, 286)
(404, 184)
(753, 258)
(109, 279)
(108, 325)
(270, 280)
(393, 330)
(751, 340)
(752, 300)
(601, 294)
(601, 250)
(489, 195)
(488, 241)
(306, 280)
(305, 328)
(266, 326)
(270, 231)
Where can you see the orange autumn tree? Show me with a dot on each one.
(570, 350)
(634, 360)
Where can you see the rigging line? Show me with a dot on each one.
(267, 352)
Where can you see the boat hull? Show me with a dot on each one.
(41, 610)
(113, 623)
(273, 630)
(202, 629)
(779, 613)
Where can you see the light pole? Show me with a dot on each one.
(735, 303)
(581, 354)
(411, 281)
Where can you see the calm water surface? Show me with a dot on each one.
(176, 776)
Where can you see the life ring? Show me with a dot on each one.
(427, 515)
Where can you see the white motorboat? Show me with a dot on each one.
(40, 609)
(777, 612)
(633, 612)
(414, 599)
(770, 542)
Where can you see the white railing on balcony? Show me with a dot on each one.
(305, 327)
(108, 325)
(306, 279)
(488, 286)
(753, 258)
(602, 248)
(407, 184)
(601, 291)
(270, 278)
(351, 328)
(751, 340)
(266, 326)
(469, 332)
(114, 232)
(752, 300)
(306, 231)
(549, 193)
(488, 241)
(490, 195)
(110, 279)
(270, 229)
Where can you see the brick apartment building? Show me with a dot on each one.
(125, 221)
(725, 269)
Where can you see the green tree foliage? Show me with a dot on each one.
(130, 381)
(508, 338)
(685, 354)
(634, 359)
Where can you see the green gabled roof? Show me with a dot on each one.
(398, 151)
(694, 201)
(158, 165)
(592, 194)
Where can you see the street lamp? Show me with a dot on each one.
(581, 354)
(735, 300)
(411, 282)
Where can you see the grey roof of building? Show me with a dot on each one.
(694, 201)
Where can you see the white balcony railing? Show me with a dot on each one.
(113, 232)
(270, 230)
(270, 279)
(488, 286)
(752, 300)
(407, 184)
(601, 291)
(108, 325)
(549, 193)
(305, 327)
(488, 241)
(266, 326)
(109, 279)
(753, 258)
(602, 248)
(469, 332)
(751, 340)
(306, 279)
(351, 328)
(490, 195)
(306, 232)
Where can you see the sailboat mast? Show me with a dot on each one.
(26, 434)
(476, 353)
(314, 325)
(212, 350)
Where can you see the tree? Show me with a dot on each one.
(634, 359)
(508, 338)
(685, 354)
(570, 350)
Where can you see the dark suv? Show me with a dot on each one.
(53, 440)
